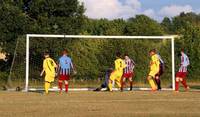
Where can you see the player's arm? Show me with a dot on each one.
(73, 67)
(41, 74)
(133, 64)
(44, 65)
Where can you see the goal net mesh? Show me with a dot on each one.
(91, 57)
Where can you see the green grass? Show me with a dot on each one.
(100, 104)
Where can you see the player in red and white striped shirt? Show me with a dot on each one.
(182, 72)
(128, 72)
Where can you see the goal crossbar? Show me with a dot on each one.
(28, 36)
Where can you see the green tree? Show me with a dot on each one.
(167, 25)
(143, 25)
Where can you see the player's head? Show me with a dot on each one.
(46, 54)
(126, 56)
(118, 55)
(152, 52)
(182, 51)
(65, 52)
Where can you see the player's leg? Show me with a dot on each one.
(111, 80)
(48, 80)
(131, 83)
(177, 84)
(123, 80)
(118, 81)
(60, 82)
(183, 81)
(150, 78)
(67, 78)
(110, 85)
(46, 87)
(157, 79)
(66, 86)
(152, 83)
(60, 85)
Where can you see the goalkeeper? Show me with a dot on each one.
(50, 72)
(105, 83)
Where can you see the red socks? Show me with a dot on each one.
(60, 86)
(177, 86)
(184, 83)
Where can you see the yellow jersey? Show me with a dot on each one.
(49, 67)
(155, 63)
(119, 65)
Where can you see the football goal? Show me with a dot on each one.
(92, 56)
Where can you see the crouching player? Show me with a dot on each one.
(106, 81)
(128, 72)
(154, 69)
(117, 73)
(64, 68)
(182, 73)
(49, 67)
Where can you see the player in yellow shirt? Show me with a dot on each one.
(117, 73)
(154, 68)
(49, 67)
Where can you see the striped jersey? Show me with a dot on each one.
(130, 64)
(184, 63)
(65, 65)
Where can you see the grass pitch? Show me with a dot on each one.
(100, 104)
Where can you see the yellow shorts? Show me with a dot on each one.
(115, 75)
(153, 73)
(49, 78)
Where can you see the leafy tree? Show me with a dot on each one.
(143, 25)
(167, 25)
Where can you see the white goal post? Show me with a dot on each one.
(28, 36)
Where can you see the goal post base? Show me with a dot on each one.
(91, 89)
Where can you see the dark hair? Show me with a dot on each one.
(126, 54)
(118, 54)
(182, 50)
(46, 53)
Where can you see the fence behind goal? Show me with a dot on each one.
(91, 55)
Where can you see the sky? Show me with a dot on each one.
(156, 9)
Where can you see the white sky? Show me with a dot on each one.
(113, 9)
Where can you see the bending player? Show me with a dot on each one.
(50, 72)
(106, 81)
(64, 67)
(182, 72)
(128, 72)
(116, 75)
(161, 71)
(154, 69)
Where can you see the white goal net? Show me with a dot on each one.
(92, 56)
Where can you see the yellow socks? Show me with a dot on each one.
(46, 87)
(153, 84)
